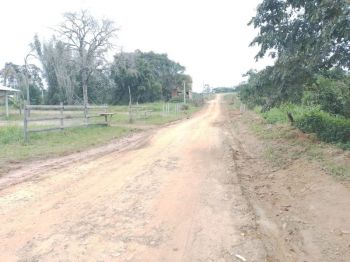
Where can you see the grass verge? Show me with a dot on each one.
(285, 144)
(55, 143)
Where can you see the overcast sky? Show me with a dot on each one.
(209, 37)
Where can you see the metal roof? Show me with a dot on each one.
(5, 88)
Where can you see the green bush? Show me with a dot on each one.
(185, 107)
(327, 127)
(331, 95)
(275, 115)
(279, 114)
(176, 99)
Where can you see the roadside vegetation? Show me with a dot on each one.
(59, 70)
(309, 83)
(284, 143)
(70, 140)
(49, 144)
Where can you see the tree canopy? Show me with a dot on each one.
(75, 71)
(307, 38)
(149, 76)
(316, 31)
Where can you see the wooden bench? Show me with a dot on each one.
(108, 117)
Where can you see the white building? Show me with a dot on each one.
(5, 93)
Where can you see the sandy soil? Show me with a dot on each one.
(198, 190)
(170, 196)
(302, 213)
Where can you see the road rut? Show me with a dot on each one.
(172, 197)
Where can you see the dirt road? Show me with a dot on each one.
(172, 197)
(191, 191)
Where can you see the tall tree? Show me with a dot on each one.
(59, 70)
(316, 30)
(16, 76)
(166, 71)
(307, 38)
(89, 39)
(149, 76)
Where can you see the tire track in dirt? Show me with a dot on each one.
(171, 195)
(301, 212)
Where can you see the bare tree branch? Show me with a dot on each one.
(89, 39)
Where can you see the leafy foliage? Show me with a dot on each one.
(307, 38)
(333, 95)
(14, 76)
(150, 77)
(317, 31)
(328, 128)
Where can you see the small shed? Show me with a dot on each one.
(5, 93)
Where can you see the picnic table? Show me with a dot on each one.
(108, 117)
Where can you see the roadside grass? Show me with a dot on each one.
(329, 128)
(286, 144)
(232, 100)
(54, 143)
(121, 114)
(11, 117)
(74, 139)
(157, 116)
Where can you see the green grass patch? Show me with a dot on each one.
(54, 143)
(285, 144)
(156, 117)
(279, 114)
(328, 128)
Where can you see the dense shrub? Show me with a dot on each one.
(327, 127)
(185, 107)
(331, 95)
(279, 114)
(176, 99)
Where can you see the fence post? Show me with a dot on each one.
(61, 116)
(86, 114)
(25, 124)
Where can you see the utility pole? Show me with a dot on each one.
(184, 92)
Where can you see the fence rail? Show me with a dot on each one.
(61, 116)
(57, 107)
(169, 107)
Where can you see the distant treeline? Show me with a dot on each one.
(224, 89)
(71, 68)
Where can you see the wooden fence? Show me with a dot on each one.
(61, 114)
(140, 112)
(169, 107)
